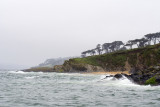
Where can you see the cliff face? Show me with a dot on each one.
(130, 60)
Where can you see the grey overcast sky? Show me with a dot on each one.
(34, 30)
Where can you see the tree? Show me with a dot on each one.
(158, 36)
(115, 46)
(112, 47)
(136, 41)
(149, 37)
(98, 48)
(106, 46)
(92, 52)
(118, 44)
(83, 54)
(129, 44)
(142, 42)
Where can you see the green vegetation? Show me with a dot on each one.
(101, 60)
(110, 60)
(140, 57)
(132, 59)
(92, 60)
(151, 81)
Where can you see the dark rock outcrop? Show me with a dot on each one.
(150, 76)
(118, 76)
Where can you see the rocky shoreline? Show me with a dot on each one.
(150, 76)
(143, 65)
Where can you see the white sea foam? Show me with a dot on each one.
(116, 82)
(22, 72)
(31, 77)
(40, 72)
(125, 83)
(17, 72)
(103, 76)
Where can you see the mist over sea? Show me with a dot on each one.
(22, 89)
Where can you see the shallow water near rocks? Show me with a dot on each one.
(37, 89)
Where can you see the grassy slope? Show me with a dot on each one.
(143, 57)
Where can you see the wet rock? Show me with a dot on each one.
(118, 76)
(148, 76)
(109, 76)
(141, 77)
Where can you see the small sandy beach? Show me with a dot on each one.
(111, 73)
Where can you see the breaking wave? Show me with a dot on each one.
(17, 72)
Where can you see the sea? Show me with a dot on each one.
(38, 89)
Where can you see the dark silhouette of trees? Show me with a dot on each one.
(83, 54)
(106, 46)
(115, 46)
(158, 36)
(142, 42)
(119, 45)
(112, 48)
(92, 52)
(149, 37)
(89, 52)
(131, 43)
(153, 37)
(98, 49)
(137, 41)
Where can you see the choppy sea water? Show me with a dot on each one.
(21, 89)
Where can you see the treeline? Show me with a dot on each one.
(149, 39)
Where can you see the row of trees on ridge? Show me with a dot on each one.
(119, 45)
